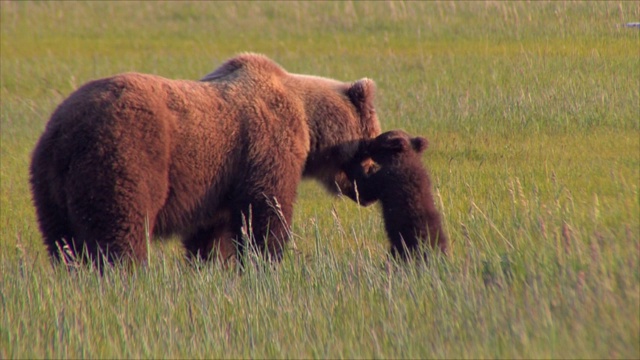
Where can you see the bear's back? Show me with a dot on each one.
(244, 67)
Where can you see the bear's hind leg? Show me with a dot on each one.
(54, 225)
(113, 219)
(102, 240)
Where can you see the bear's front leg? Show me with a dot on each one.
(265, 223)
(264, 211)
(214, 243)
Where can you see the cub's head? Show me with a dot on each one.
(394, 143)
(394, 152)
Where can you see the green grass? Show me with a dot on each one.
(532, 111)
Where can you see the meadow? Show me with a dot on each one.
(532, 111)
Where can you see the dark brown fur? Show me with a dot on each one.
(138, 152)
(388, 168)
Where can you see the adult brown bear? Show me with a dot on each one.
(388, 168)
(136, 154)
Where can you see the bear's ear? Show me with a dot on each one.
(361, 93)
(420, 144)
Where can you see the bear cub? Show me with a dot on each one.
(388, 168)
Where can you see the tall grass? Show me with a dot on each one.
(532, 114)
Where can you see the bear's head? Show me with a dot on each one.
(340, 116)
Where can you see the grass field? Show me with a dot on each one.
(532, 111)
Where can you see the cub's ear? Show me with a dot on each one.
(395, 144)
(419, 144)
(362, 93)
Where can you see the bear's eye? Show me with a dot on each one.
(369, 166)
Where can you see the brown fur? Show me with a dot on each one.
(194, 158)
(389, 168)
